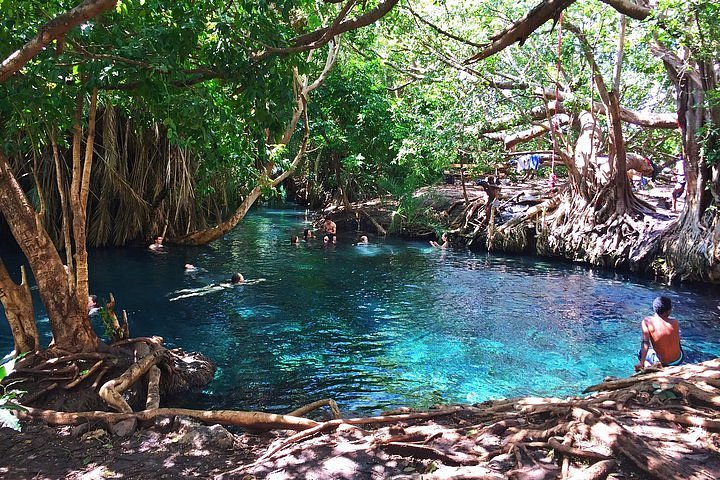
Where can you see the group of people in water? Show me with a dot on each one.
(660, 333)
(329, 235)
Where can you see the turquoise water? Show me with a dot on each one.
(387, 324)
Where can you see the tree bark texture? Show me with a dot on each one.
(19, 311)
(56, 28)
(69, 322)
(692, 249)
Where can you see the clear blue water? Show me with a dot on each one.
(388, 324)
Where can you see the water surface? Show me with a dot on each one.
(387, 324)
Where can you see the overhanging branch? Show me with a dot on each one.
(321, 36)
(522, 29)
(54, 29)
(629, 8)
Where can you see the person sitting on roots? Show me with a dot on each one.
(445, 240)
(660, 337)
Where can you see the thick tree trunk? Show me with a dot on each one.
(19, 311)
(692, 249)
(70, 325)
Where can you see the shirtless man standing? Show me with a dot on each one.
(660, 337)
(330, 230)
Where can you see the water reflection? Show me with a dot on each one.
(386, 324)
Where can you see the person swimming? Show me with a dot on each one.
(157, 245)
(236, 280)
(330, 231)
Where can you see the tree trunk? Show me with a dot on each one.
(691, 249)
(19, 311)
(69, 323)
(79, 196)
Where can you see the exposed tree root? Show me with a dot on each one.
(111, 390)
(625, 425)
(591, 437)
(249, 420)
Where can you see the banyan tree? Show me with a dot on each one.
(596, 218)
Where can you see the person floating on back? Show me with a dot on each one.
(660, 337)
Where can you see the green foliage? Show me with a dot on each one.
(8, 405)
(109, 332)
(8, 396)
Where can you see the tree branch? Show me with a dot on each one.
(55, 28)
(321, 36)
(629, 8)
(440, 30)
(522, 29)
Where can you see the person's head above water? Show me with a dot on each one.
(190, 266)
(662, 305)
(294, 239)
(363, 239)
(92, 302)
(237, 278)
(307, 233)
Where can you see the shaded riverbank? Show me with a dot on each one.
(658, 425)
(395, 323)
